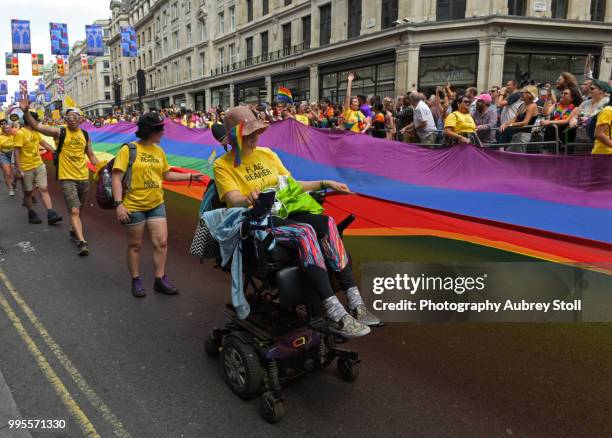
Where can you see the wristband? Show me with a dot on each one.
(118, 203)
(323, 185)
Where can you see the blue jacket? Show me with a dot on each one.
(224, 225)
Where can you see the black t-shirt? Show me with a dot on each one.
(405, 116)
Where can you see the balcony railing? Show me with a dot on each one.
(266, 57)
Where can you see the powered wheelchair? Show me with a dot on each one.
(285, 334)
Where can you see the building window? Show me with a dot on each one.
(177, 72)
(175, 11)
(372, 79)
(265, 7)
(232, 15)
(300, 87)
(249, 5)
(232, 54)
(389, 13)
(106, 64)
(188, 68)
(559, 9)
(306, 32)
(325, 24)
(175, 38)
(354, 18)
(188, 33)
(107, 81)
(249, 49)
(287, 38)
(450, 10)
(220, 58)
(264, 45)
(202, 63)
(165, 46)
(202, 26)
(287, 2)
(517, 7)
(187, 6)
(107, 95)
(598, 10)
(221, 24)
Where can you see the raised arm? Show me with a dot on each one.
(349, 86)
(49, 131)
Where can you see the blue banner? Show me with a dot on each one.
(128, 42)
(47, 96)
(21, 35)
(17, 97)
(59, 38)
(32, 97)
(95, 41)
(3, 88)
(2, 98)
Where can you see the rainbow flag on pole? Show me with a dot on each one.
(284, 95)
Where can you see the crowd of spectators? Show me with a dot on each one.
(512, 115)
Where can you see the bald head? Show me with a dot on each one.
(414, 97)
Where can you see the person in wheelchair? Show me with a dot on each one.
(247, 169)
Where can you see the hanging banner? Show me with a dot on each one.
(84, 65)
(90, 63)
(60, 86)
(128, 42)
(17, 97)
(59, 38)
(32, 97)
(2, 99)
(3, 88)
(47, 96)
(20, 31)
(55, 114)
(95, 41)
(40, 86)
(38, 62)
(23, 89)
(12, 64)
(61, 66)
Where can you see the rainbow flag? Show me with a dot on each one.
(556, 208)
(284, 95)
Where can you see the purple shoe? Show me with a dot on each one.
(137, 288)
(163, 286)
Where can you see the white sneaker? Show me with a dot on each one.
(11, 192)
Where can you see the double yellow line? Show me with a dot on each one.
(73, 408)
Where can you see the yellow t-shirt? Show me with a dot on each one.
(604, 118)
(302, 119)
(72, 161)
(148, 172)
(28, 142)
(113, 121)
(353, 120)
(6, 142)
(460, 122)
(258, 170)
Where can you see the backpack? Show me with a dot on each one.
(60, 144)
(104, 188)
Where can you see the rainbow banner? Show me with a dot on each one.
(38, 63)
(555, 208)
(12, 64)
(284, 95)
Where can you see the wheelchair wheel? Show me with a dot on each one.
(348, 369)
(242, 368)
(272, 408)
(212, 346)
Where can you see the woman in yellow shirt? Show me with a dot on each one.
(459, 125)
(7, 142)
(242, 173)
(144, 205)
(354, 120)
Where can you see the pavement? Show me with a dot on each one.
(77, 347)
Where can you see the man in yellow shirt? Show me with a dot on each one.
(73, 173)
(7, 140)
(603, 132)
(30, 166)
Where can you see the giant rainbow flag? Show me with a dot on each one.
(556, 208)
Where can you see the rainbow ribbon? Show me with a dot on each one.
(235, 136)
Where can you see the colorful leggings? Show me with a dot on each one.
(319, 247)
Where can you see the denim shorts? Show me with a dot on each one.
(5, 157)
(139, 217)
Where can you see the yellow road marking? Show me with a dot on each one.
(73, 408)
(76, 376)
